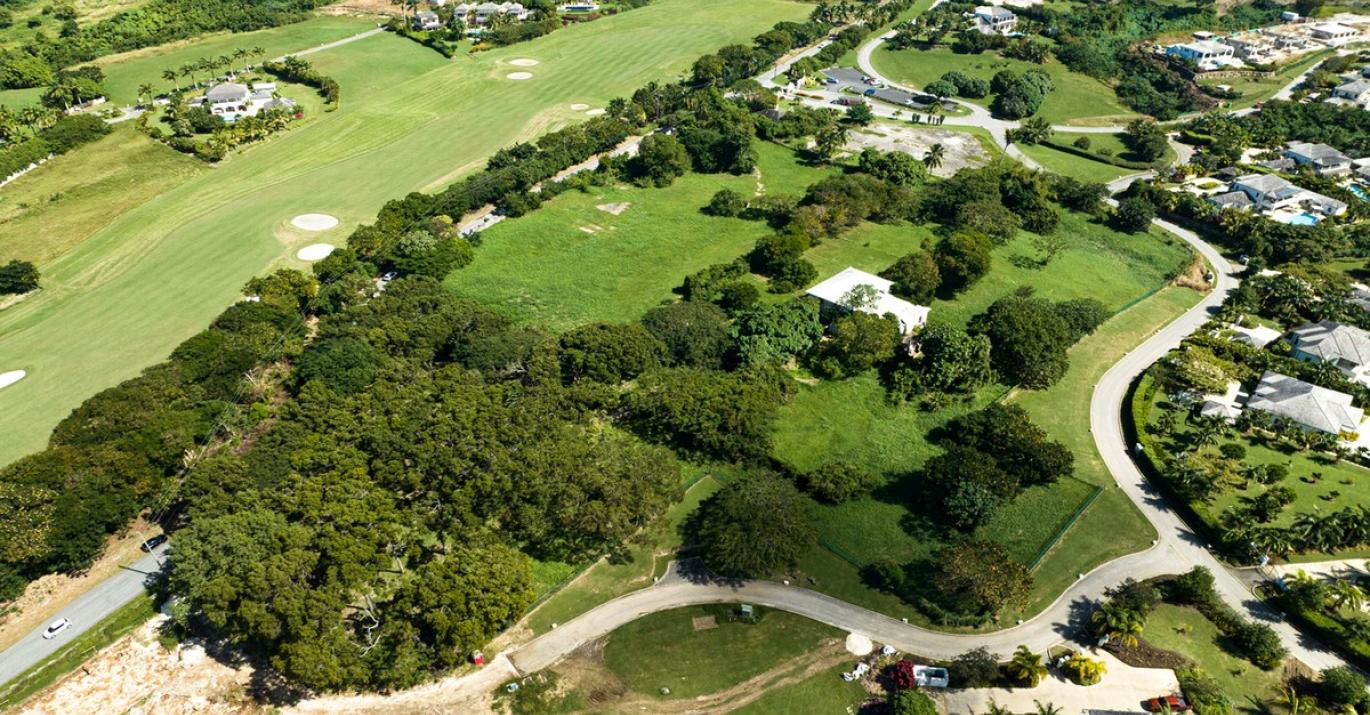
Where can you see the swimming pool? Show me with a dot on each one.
(1303, 219)
(1359, 191)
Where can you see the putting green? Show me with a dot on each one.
(409, 120)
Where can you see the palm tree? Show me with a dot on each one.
(1087, 671)
(936, 153)
(144, 90)
(188, 70)
(1026, 667)
(171, 76)
(1293, 702)
(1121, 625)
(1347, 594)
(997, 709)
(1047, 709)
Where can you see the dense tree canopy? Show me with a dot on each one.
(753, 527)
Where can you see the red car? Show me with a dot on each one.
(1174, 702)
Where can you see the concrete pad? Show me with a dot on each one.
(519, 75)
(1123, 689)
(315, 252)
(11, 377)
(314, 222)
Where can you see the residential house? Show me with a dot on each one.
(1267, 191)
(1206, 54)
(1359, 296)
(426, 20)
(1232, 200)
(1356, 90)
(1282, 164)
(579, 7)
(485, 12)
(1323, 159)
(853, 289)
(1343, 346)
(233, 101)
(1332, 33)
(1312, 407)
(993, 20)
(1252, 48)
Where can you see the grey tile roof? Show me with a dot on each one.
(1231, 200)
(1309, 405)
(1330, 341)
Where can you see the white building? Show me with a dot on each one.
(1322, 158)
(233, 101)
(1206, 54)
(1315, 408)
(1356, 90)
(1332, 33)
(994, 20)
(1270, 193)
(853, 289)
(426, 21)
(1342, 346)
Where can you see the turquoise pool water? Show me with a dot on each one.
(1303, 219)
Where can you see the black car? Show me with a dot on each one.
(154, 542)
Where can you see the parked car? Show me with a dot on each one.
(56, 627)
(870, 92)
(153, 543)
(1176, 704)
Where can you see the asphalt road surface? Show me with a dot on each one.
(85, 612)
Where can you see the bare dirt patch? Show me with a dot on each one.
(137, 674)
(49, 594)
(615, 208)
(704, 623)
(961, 150)
(1194, 276)
(362, 7)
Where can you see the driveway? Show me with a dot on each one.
(1123, 689)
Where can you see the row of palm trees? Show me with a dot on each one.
(209, 66)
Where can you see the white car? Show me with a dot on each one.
(56, 627)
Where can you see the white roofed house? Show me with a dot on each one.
(1343, 346)
(1322, 158)
(992, 20)
(233, 101)
(1267, 191)
(1356, 90)
(426, 20)
(853, 289)
(1206, 54)
(1333, 33)
(1313, 408)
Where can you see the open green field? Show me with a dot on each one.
(29, 17)
(1085, 169)
(1184, 630)
(56, 206)
(125, 72)
(1077, 99)
(850, 420)
(663, 650)
(409, 120)
(818, 694)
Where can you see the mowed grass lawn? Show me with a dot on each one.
(410, 120)
(1077, 99)
(1083, 168)
(1186, 631)
(56, 206)
(663, 650)
(1319, 485)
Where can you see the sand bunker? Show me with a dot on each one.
(594, 112)
(524, 62)
(616, 208)
(579, 107)
(314, 222)
(858, 644)
(315, 252)
(11, 377)
(520, 75)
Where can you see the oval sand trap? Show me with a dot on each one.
(594, 112)
(11, 377)
(520, 75)
(315, 252)
(314, 222)
(579, 107)
(524, 62)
